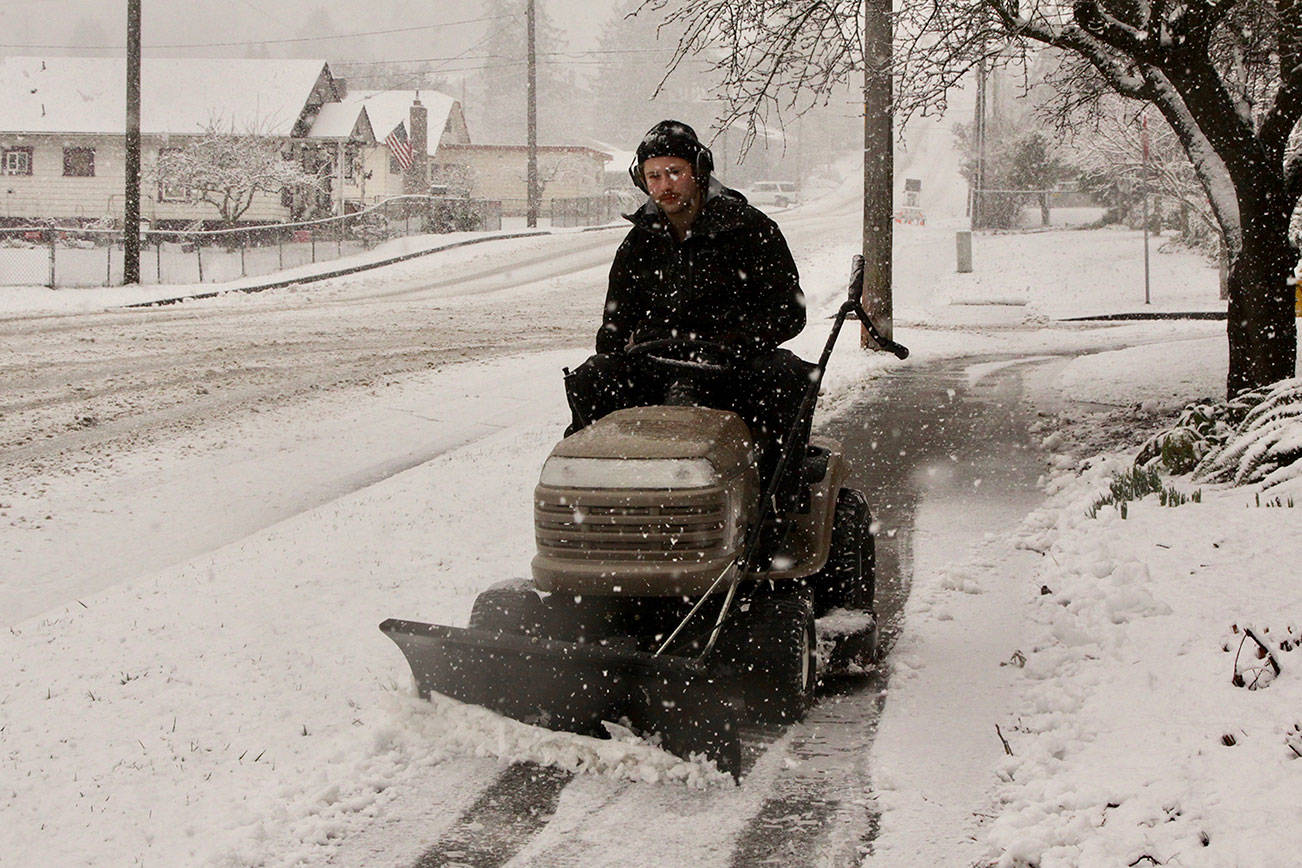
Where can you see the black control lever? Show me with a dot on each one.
(853, 305)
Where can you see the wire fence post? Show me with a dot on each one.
(311, 234)
(198, 254)
(51, 236)
(243, 244)
(108, 263)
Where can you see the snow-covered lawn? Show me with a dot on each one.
(1065, 694)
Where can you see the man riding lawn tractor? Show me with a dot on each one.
(699, 265)
(689, 531)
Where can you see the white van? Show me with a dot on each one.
(778, 194)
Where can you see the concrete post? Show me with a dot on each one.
(963, 245)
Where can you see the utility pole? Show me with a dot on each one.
(979, 130)
(878, 170)
(532, 207)
(131, 210)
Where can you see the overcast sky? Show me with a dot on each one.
(448, 31)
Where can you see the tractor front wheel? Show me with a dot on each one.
(508, 608)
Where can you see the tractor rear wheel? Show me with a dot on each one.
(848, 580)
(778, 685)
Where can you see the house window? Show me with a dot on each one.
(78, 162)
(172, 192)
(17, 161)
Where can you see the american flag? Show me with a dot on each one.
(400, 146)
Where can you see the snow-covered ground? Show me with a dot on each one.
(241, 708)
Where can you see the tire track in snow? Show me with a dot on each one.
(502, 820)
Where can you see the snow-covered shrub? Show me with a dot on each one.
(1267, 444)
(370, 228)
(1202, 426)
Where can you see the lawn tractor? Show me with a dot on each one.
(670, 592)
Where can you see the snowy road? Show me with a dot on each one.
(91, 400)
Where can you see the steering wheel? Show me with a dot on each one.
(693, 354)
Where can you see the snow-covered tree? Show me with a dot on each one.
(1226, 75)
(228, 170)
(1112, 161)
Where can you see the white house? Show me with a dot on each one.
(371, 172)
(63, 120)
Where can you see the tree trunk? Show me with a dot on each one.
(1261, 327)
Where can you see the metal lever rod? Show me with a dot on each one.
(745, 562)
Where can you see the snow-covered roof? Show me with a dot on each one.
(388, 108)
(178, 95)
(337, 120)
(620, 159)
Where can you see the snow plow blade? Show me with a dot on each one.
(573, 687)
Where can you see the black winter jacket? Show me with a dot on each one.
(731, 280)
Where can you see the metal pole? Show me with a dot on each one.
(532, 193)
(878, 169)
(1144, 186)
(131, 211)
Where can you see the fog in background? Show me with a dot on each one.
(597, 69)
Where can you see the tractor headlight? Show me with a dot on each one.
(628, 473)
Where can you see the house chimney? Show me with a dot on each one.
(416, 178)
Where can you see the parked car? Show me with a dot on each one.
(778, 194)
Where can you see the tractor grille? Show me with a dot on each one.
(573, 525)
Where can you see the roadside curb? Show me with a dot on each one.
(1149, 315)
(354, 269)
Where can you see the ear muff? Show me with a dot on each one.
(702, 166)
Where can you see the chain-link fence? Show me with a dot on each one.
(578, 211)
(92, 255)
(591, 210)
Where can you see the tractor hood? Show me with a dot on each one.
(661, 432)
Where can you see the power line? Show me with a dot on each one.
(250, 42)
(498, 59)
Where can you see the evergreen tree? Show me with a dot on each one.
(497, 93)
(627, 91)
